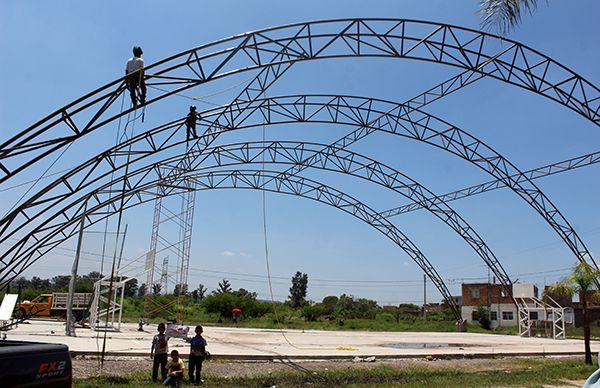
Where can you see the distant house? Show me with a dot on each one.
(503, 311)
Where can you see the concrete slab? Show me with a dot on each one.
(242, 343)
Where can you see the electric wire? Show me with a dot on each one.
(119, 220)
(202, 98)
(38, 179)
(266, 251)
(117, 137)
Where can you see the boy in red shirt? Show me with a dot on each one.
(158, 353)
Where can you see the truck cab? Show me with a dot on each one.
(41, 306)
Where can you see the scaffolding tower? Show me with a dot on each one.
(549, 311)
(106, 309)
(171, 232)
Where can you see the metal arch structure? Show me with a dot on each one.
(274, 50)
(388, 117)
(370, 115)
(398, 119)
(251, 179)
(528, 69)
(536, 173)
(287, 153)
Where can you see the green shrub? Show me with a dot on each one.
(223, 303)
(313, 312)
(483, 316)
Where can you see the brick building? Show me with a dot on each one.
(497, 299)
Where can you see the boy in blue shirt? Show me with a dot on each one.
(197, 356)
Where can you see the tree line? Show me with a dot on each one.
(224, 299)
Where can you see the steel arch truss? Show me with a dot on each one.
(367, 114)
(536, 173)
(289, 153)
(247, 179)
(274, 50)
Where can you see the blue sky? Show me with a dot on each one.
(56, 52)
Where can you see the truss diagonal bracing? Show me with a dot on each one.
(163, 162)
(271, 51)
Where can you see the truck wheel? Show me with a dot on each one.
(20, 313)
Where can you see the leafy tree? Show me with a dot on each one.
(156, 288)
(199, 293)
(245, 293)
(583, 280)
(483, 316)
(224, 287)
(142, 290)
(223, 302)
(313, 312)
(60, 282)
(40, 284)
(22, 283)
(93, 276)
(329, 303)
(82, 285)
(180, 290)
(131, 288)
(504, 15)
(351, 308)
(298, 289)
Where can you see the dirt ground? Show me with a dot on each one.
(89, 367)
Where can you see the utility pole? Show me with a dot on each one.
(70, 324)
(425, 297)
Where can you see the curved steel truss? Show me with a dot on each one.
(289, 153)
(536, 173)
(50, 216)
(274, 50)
(367, 114)
(238, 179)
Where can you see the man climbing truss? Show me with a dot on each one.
(135, 77)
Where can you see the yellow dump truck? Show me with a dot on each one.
(54, 304)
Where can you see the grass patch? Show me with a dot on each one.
(517, 372)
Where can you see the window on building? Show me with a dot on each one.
(474, 316)
(475, 293)
(533, 315)
(507, 315)
(493, 315)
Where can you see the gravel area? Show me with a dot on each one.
(83, 368)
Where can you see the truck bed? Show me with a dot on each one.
(81, 301)
(28, 364)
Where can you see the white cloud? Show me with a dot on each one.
(227, 254)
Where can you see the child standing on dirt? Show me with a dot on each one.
(175, 370)
(197, 356)
(158, 353)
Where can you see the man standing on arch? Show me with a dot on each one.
(135, 76)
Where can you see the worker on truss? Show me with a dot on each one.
(190, 123)
(135, 77)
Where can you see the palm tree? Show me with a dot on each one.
(583, 281)
(504, 15)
